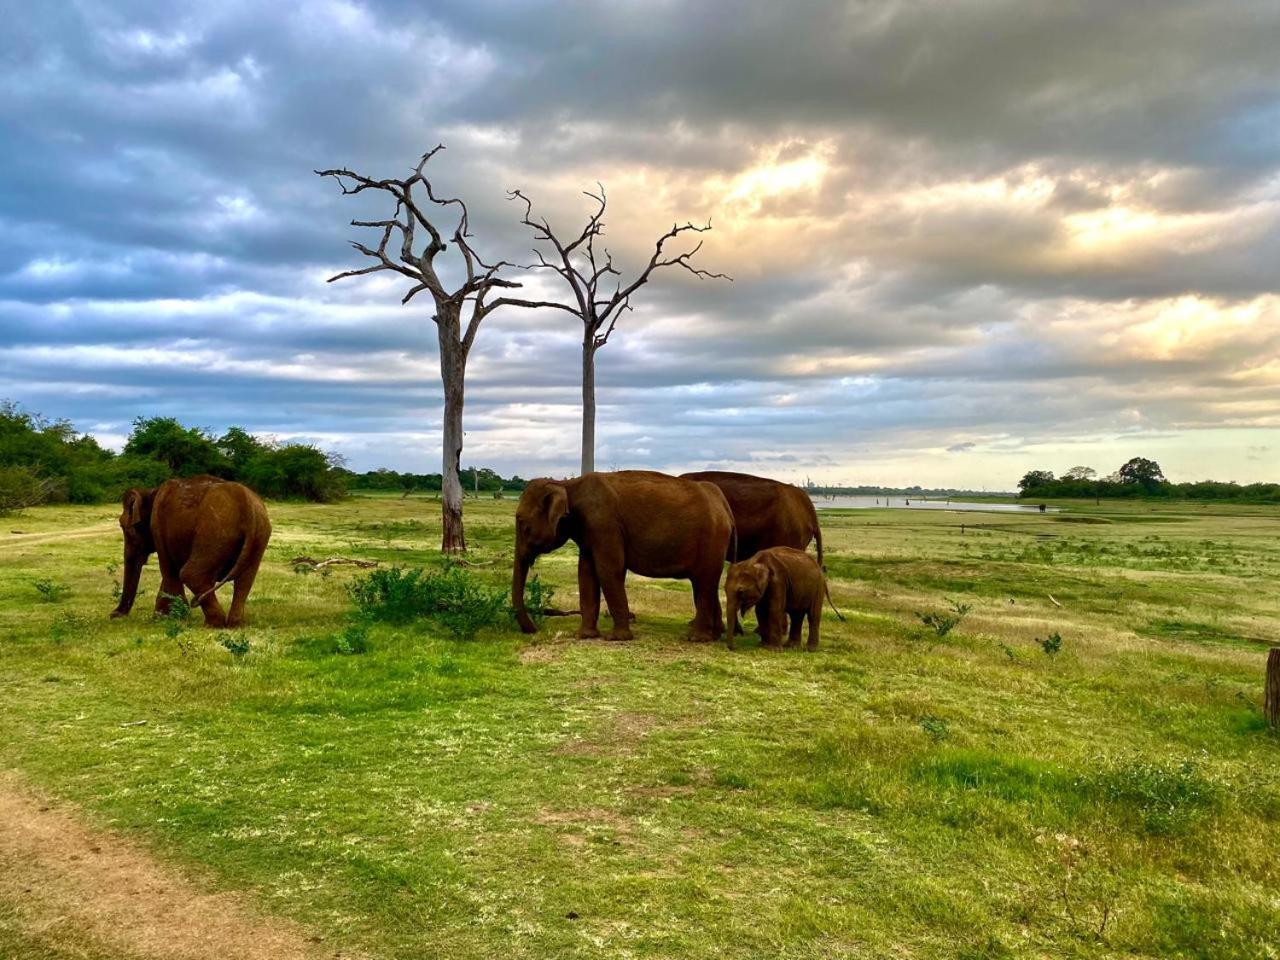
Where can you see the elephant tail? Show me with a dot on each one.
(248, 549)
(826, 585)
(817, 538)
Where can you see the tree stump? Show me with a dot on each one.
(1271, 702)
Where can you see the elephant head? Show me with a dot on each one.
(744, 585)
(135, 522)
(540, 528)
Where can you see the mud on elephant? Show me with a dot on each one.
(631, 520)
(205, 532)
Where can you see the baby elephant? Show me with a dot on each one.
(779, 582)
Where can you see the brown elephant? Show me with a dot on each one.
(205, 532)
(778, 582)
(766, 513)
(632, 520)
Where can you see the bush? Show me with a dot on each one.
(236, 644)
(352, 641)
(453, 597)
(537, 598)
(50, 590)
(20, 487)
(944, 623)
(1050, 644)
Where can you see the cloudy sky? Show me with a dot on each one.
(968, 237)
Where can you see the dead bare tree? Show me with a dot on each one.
(577, 264)
(466, 302)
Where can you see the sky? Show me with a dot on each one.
(968, 238)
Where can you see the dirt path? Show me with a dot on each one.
(73, 887)
(78, 533)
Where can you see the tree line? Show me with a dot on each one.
(49, 461)
(1138, 478)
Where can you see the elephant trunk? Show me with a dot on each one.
(732, 630)
(520, 574)
(129, 590)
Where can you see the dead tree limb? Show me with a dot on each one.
(599, 296)
(409, 242)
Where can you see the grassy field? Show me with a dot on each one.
(899, 793)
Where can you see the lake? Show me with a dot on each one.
(919, 503)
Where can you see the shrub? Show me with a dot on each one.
(537, 598)
(50, 591)
(1051, 644)
(944, 623)
(352, 641)
(236, 644)
(20, 487)
(453, 597)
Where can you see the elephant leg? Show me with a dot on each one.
(815, 620)
(170, 583)
(588, 597)
(243, 584)
(775, 618)
(612, 575)
(797, 621)
(200, 576)
(708, 622)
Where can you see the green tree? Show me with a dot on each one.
(239, 446)
(1034, 479)
(186, 451)
(1144, 472)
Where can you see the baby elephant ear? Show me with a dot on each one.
(761, 574)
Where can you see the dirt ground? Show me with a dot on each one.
(89, 892)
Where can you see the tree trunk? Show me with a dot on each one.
(588, 404)
(453, 371)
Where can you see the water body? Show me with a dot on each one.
(919, 503)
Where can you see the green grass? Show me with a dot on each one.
(894, 794)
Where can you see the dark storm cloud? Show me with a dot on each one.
(955, 228)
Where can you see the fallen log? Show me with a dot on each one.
(315, 564)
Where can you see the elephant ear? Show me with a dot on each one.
(555, 505)
(762, 574)
(137, 506)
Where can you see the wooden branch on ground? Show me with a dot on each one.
(1053, 601)
(315, 564)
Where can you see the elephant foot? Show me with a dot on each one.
(810, 647)
(117, 614)
(768, 644)
(619, 635)
(702, 636)
(588, 633)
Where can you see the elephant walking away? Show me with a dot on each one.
(631, 520)
(205, 532)
(766, 513)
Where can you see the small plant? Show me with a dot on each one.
(113, 569)
(1009, 652)
(1051, 644)
(352, 641)
(537, 600)
(944, 623)
(454, 597)
(236, 644)
(936, 727)
(1168, 799)
(50, 590)
(175, 620)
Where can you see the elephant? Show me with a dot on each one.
(629, 520)
(766, 513)
(778, 582)
(205, 532)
